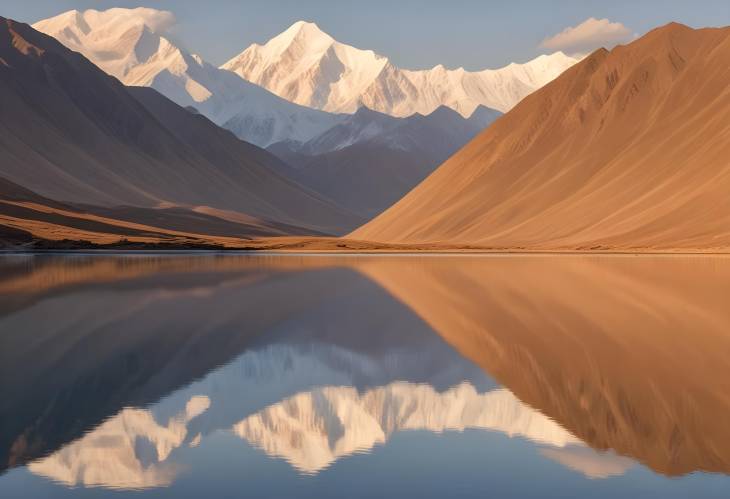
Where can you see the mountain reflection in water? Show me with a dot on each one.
(117, 371)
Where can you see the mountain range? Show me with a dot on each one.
(73, 134)
(307, 66)
(303, 69)
(628, 149)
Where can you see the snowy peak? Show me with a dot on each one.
(117, 40)
(129, 44)
(538, 71)
(307, 66)
(300, 46)
(304, 34)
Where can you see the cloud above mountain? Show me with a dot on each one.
(158, 21)
(589, 35)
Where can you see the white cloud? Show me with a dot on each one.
(158, 21)
(589, 35)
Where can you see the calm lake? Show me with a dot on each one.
(188, 376)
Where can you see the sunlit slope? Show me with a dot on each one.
(627, 149)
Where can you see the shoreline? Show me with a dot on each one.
(362, 253)
(302, 245)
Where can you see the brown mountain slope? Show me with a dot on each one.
(627, 149)
(71, 133)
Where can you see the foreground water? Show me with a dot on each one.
(303, 376)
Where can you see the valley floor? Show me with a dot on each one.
(29, 226)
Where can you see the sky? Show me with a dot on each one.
(414, 34)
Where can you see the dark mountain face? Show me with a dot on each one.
(71, 133)
(371, 160)
(362, 126)
(483, 116)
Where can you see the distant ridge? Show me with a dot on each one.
(370, 160)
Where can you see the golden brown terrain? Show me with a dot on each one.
(629, 149)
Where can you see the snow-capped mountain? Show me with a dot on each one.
(131, 44)
(309, 67)
(281, 90)
(441, 132)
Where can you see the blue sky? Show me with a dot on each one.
(415, 34)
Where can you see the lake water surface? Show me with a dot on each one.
(188, 376)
